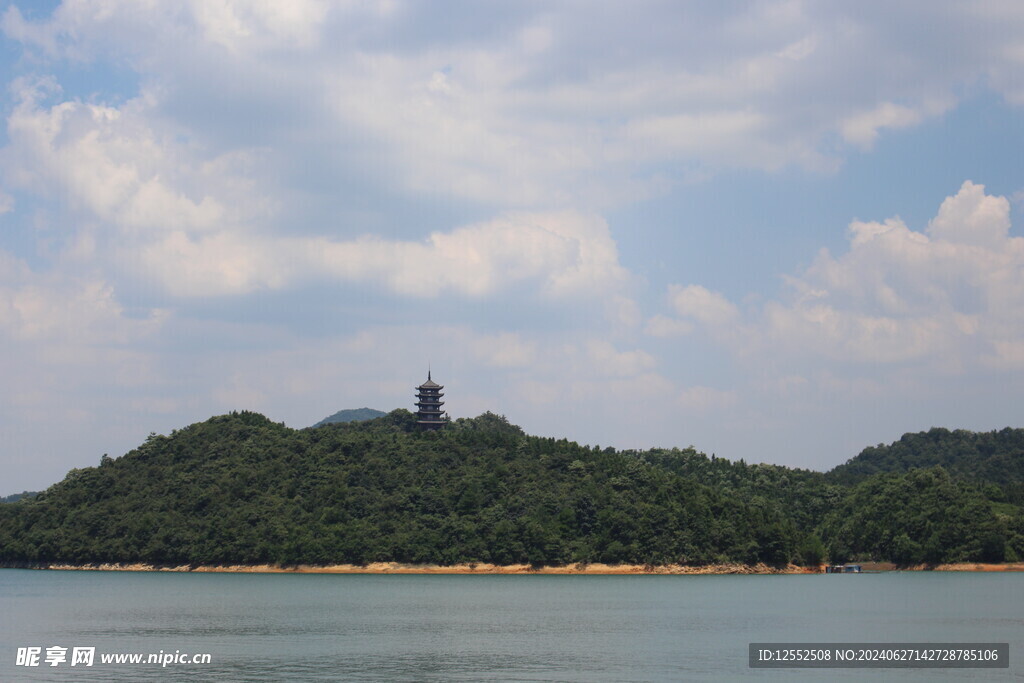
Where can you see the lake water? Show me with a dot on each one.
(271, 627)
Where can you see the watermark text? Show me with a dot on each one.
(58, 655)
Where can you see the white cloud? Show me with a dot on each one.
(78, 28)
(40, 35)
(973, 218)
(215, 265)
(685, 134)
(605, 359)
(844, 335)
(702, 305)
(664, 326)
(197, 225)
(562, 254)
(951, 297)
(541, 114)
(292, 25)
(862, 129)
(63, 310)
(623, 312)
(110, 163)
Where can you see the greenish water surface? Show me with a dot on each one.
(271, 627)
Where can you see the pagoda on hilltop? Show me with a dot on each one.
(428, 400)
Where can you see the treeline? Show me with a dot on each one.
(14, 497)
(241, 489)
(995, 458)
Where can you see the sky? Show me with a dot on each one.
(780, 231)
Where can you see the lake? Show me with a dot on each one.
(326, 627)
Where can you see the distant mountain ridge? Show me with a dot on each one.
(351, 415)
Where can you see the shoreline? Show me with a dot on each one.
(481, 568)
(981, 567)
(596, 569)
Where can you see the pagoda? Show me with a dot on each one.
(428, 400)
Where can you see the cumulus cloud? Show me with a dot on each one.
(605, 359)
(198, 225)
(112, 164)
(972, 218)
(78, 28)
(702, 305)
(561, 255)
(80, 311)
(951, 296)
(862, 129)
(540, 114)
(666, 326)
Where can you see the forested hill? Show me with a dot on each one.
(993, 457)
(241, 489)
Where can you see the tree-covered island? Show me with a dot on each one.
(240, 489)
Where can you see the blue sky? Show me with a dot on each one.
(777, 231)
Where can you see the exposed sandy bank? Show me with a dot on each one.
(397, 568)
(977, 567)
(595, 568)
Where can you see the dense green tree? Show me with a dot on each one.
(991, 457)
(918, 516)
